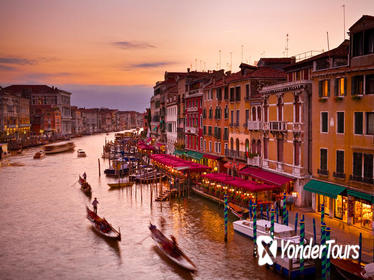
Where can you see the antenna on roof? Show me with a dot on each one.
(219, 63)
(328, 42)
(286, 49)
(343, 6)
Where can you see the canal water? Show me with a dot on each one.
(44, 233)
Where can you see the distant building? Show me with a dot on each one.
(43, 95)
(171, 122)
(46, 119)
(77, 127)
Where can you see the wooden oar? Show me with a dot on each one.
(140, 242)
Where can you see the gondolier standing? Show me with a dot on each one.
(84, 176)
(94, 204)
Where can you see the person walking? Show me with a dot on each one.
(94, 204)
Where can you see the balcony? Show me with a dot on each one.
(266, 126)
(235, 154)
(296, 127)
(323, 172)
(254, 125)
(339, 175)
(190, 129)
(255, 161)
(278, 126)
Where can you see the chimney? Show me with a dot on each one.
(188, 70)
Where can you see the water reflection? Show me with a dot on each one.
(45, 235)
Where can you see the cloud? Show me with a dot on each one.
(132, 45)
(6, 68)
(16, 60)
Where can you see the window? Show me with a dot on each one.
(210, 146)
(259, 113)
(237, 117)
(369, 81)
(266, 146)
(201, 121)
(323, 160)
(359, 117)
(357, 85)
(204, 130)
(219, 94)
(340, 86)
(246, 116)
(340, 122)
(306, 74)
(209, 130)
(280, 109)
(205, 145)
(324, 88)
(226, 112)
(226, 93)
(280, 150)
(340, 162)
(232, 93)
(232, 117)
(357, 166)
(369, 41)
(201, 143)
(210, 113)
(226, 134)
(368, 168)
(370, 123)
(254, 114)
(237, 90)
(247, 94)
(296, 153)
(204, 113)
(358, 44)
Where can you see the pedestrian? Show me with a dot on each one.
(95, 203)
(1, 152)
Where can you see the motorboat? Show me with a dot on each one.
(59, 147)
(81, 153)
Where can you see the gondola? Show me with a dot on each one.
(120, 185)
(173, 252)
(238, 211)
(85, 187)
(102, 226)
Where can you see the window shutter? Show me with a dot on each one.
(345, 86)
(320, 88)
(328, 88)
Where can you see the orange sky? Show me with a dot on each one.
(108, 42)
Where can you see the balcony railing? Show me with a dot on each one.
(254, 125)
(339, 175)
(278, 126)
(255, 161)
(235, 154)
(266, 126)
(323, 172)
(296, 127)
(190, 129)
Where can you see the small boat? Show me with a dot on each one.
(120, 185)
(39, 155)
(85, 187)
(59, 147)
(170, 249)
(281, 232)
(120, 169)
(349, 269)
(238, 211)
(102, 226)
(81, 153)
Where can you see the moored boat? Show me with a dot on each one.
(102, 226)
(170, 249)
(120, 185)
(59, 147)
(348, 269)
(238, 211)
(281, 232)
(39, 155)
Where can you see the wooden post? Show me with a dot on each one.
(98, 160)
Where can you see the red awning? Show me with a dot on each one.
(265, 176)
(239, 182)
(210, 156)
(179, 163)
(237, 165)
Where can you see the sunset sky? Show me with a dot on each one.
(111, 52)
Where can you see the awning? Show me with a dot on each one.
(324, 188)
(179, 152)
(237, 165)
(211, 156)
(265, 176)
(194, 155)
(361, 195)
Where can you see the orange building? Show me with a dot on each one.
(343, 129)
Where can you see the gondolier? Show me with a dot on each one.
(94, 204)
(85, 176)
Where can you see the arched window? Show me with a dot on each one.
(231, 144)
(246, 145)
(253, 146)
(259, 147)
(253, 113)
(259, 113)
(237, 145)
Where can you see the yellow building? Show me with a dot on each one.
(343, 128)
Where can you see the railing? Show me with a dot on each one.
(254, 125)
(191, 109)
(296, 127)
(323, 172)
(190, 129)
(278, 126)
(266, 126)
(339, 175)
(255, 161)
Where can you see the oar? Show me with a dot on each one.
(140, 242)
